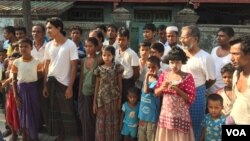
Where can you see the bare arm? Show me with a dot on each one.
(81, 79)
(17, 98)
(73, 70)
(136, 72)
(120, 87)
(46, 68)
(202, 138)
(97, 84)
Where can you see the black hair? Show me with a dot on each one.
(157, 46)
(16, 55)
(161, 27)
(113, 26)
(40, 25)
(244, 41)
(57, 22)
(98, 33)
(20, 28)
(176, 53)
(123, 32)
(215, 97)
(76, 27)
(134, 90)
(93, 40)
(145, 43)
(9, 29)
(227, 29)
(102, 27)
(154, 60)
(109, 48)
(227, 68)
(26, 40)
(149, 26)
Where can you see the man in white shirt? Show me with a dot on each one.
(111, 34)
(201, 65)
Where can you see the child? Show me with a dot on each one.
(25, 90)
(149, 104)
(178, 90)
(130, 115)
(144, 51)
(213, 121)
(129, 59)
(107, 98)
(149, 32)
(226, 93)
(86, 89)
(157, 49)
(11, 109)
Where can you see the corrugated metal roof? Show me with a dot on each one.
(37, 7)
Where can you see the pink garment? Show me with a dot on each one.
(175, 110)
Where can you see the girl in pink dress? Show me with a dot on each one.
(178, 92)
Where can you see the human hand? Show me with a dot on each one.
(45, 92)
(18, 101)
(68, 93)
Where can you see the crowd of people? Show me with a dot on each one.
(102, 90)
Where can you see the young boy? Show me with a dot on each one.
(213, 121)
(144, 51)
(226, 92)
(149, 104)
(129, 59)
(149, 32)
(157, 49)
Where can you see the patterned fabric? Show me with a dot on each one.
(11, 110)
(197, 110)
(107, 122)
(108, 86)
(175, 110)
(187, 85)
(213, 128)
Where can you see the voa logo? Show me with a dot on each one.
(236, 132)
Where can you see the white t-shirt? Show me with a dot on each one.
(219, 63)
(26, 70)
(115, 44)
(128, 59)
(39, 54)
(241, 107)
(60, 58)
(201, 66)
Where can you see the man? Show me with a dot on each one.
(221, 56)
(240, 51)
(39, 43)
(200, 64)
(111, 34)
(149, 32)
(59, 75)
(172, 39)
(161, 31)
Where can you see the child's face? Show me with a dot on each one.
(122, 41)
(152, 68)
(175, 65)
(75, 35)
(144, 52)
(227, 78)
(20, 34)
(132, 98)
(155, 53)
(90, 48)
(25, 49)
(214, 108)
(107, 57)
(148, 34)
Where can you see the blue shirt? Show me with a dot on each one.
(149, 105)
(131, 114)
(81, 51)
(213, 128)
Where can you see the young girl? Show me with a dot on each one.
(129, 115)
(25, 75)
(107, 99)
(149, 104)
(86, 90)
(226, 93)
(178, 91)
(213, 121)
(11, 109)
